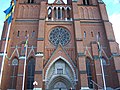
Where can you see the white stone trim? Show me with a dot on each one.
(22, 57)
(54, 62)
(39, 55)
(85, 88)
(37, 89)
(1, 54)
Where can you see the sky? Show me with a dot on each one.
(113, 9)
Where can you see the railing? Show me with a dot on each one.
(94, 83)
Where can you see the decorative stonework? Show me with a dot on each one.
(59, 35)
(58, 2)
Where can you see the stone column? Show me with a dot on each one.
(53, 14)
(56, 12)
(66, 14)
(61, 12)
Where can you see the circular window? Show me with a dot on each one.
(59, 35)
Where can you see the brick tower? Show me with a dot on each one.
(71, 46)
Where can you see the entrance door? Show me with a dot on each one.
(60, 86)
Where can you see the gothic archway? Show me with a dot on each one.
(60, 75)
(60, 83)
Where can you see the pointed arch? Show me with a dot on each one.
(90, 11)
(49, 12)
(82, 13)
(86, 16)
(62, 58)
(21, 12)
(60, 67)
(26, 11)
(63, 80)
(36, 12)
(63, 12)
(14, 72)
(31, 11)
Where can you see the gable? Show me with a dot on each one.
(60, 52)
(59, 2)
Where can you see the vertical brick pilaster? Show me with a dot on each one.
(98, 74)
(83, 72)
(39, 72)
(20, 74)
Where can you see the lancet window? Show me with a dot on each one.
(59, 13)
(30, 73)
(30, 1)
(86, 2)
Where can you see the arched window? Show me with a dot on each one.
(89, 73)
(55, 13)
(33, 33)
(18, 33)
(30, 73)
(30, 1)
(92, 34)
(59, 13)
(49, 13)
(86, 2)
(25, 33)
(99, 34)
(84, 35)
(14, 73)
(68, 13)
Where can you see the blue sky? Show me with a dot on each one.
(113, 9)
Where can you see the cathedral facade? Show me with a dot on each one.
(70, 46)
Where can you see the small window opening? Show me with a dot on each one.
(84, 35)
(55, 13)
(25, 33)
(68, 13)
(99, 34)
(49, 13)
(33, 33)
(30, 1)
(86, 2)
(59, 14)
(92, 34)
(18, 34)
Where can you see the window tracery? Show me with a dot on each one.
(59, 35)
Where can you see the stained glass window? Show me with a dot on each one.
(59, 35)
